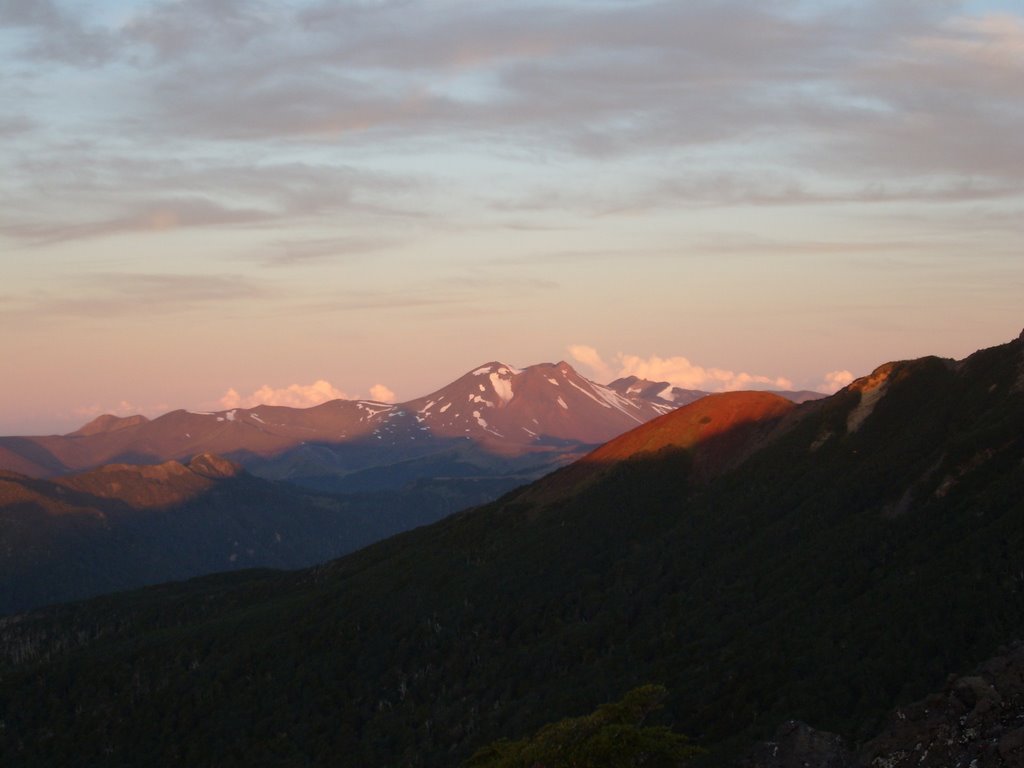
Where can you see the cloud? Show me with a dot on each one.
(174, 29)
(947, 101)
(381, 394)
(286, 253)
(56, 34)
(292, 396)
(298, 395)
(592, 79)
(744, 103)
(157, 216)
(112, 194)
(834, 381)
(351, 301)
(677, 371)
(590, 357)
(129, 293)
(680, 372)
(12, 125)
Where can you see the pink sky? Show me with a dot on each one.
(207, 204)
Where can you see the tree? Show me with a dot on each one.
(611, 737)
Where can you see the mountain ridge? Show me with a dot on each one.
(124, 526)
(831, 574)
(547, 409)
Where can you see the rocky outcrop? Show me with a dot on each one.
(214, 467)
(797, 745)
(977, 721)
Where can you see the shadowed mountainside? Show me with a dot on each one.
(852, 553)
(123, 526)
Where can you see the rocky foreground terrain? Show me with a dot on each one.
(977, 721)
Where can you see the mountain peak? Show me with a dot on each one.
(495, 366)
(634, 385)
(709, 419)
(108, 422)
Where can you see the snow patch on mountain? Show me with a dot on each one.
(611, 399)
(502, 386)
(589, 394)
(501, 368)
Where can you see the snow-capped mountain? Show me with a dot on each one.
(660, 392)
(509, 409)
(495, 409)
(494, 420)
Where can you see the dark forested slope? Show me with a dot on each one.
(124, 526)
(848, 555)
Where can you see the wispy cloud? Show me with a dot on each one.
(157, 216)
(122, 294)
(286, 253)
(901, 101)
(348, 301)
(59, 35)
(12, 125)
(117, 194)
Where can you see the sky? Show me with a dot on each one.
(207, 204)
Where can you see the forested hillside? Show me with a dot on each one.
(858, 550)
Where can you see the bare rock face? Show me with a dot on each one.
(797, 745)
(214, 467)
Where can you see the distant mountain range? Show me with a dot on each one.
(364, 470)
(763, 560)
(494, 420)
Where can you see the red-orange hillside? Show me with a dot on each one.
(719, 429)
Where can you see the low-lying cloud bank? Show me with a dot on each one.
(680, 372)
(299, 395)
